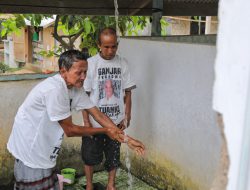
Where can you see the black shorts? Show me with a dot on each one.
(94, 147)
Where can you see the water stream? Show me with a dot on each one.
(127, 159)
(116, 20)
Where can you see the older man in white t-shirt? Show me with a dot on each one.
(44, 118)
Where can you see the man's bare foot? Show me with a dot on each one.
(110, 187)
(89, 187)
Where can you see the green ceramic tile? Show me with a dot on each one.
(102, 178)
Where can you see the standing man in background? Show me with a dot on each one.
(108, 77)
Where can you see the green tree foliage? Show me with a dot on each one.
(3, 67)
(17, 21)
(74, 26)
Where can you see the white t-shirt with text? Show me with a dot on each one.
(116, 71)
(36, 136)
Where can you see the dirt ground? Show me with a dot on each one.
(28, 69)
(23, 71)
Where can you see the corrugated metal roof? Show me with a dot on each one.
(106, 7)
(192, 1)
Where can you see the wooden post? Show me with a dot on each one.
(156, 17)
(28, 45)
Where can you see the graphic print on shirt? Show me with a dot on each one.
(56, 150)
(109, 85)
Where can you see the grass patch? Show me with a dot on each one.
(6, 69)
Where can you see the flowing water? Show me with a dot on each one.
(116, 20)
(127, 161)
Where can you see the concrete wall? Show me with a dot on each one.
(19, 45)
(172, 112)
(12, 95)
(49, 63)
(211, 25)
(232, 88)
(179, 27)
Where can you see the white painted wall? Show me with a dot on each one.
(172, 106)
(232, 87)
(172, 111)
(9, 57)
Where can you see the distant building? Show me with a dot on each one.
(26, 48)
(186, 25)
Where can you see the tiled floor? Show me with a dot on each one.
(100, 178)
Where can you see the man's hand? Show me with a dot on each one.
(124, 124)
(137, 146)
(121, 126)
(133, 144)
(87, 124)
(128, 118)
(115, 133)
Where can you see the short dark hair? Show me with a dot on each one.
(67, 58)
(106, 31)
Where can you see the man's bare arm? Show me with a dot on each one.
(128, 106)
(85, 116)
(72, 130)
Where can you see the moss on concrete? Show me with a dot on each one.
(6, 159)
(155, 170)
(7, 167)
(70, 155)
(160, 173)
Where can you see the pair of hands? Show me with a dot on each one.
(137, 146)
(118, 134)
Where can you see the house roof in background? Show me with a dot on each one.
(44, 23)
(106, 7)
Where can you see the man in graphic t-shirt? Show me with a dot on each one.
(109, 85)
